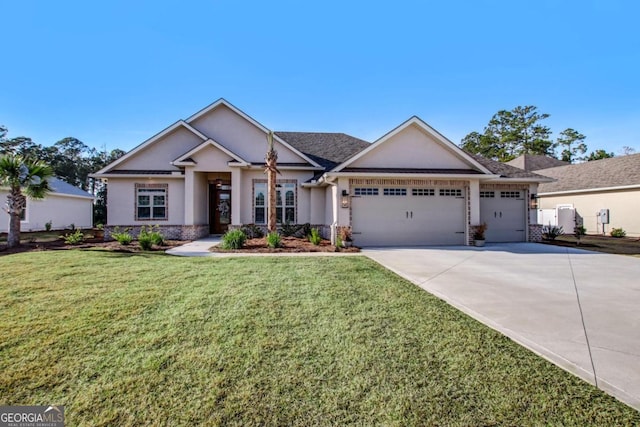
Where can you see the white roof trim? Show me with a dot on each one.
(462, 177)
(156, 137)
(415, 120)
(591, 190)
(208, 142)
(251, 120)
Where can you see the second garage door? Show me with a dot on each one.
(504, 212)
(406, 216)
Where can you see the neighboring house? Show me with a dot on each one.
(535, 162)
(412, 186)
(586, 189)
(63, 206)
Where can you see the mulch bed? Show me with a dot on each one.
(90, 243)
(289, 244)
(607, 244)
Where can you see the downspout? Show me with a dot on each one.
(334, 200)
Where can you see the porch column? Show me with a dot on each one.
(474, 202)
(189, 190)
(236, 192)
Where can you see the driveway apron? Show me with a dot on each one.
(578, 309)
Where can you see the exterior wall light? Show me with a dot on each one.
(345, 199)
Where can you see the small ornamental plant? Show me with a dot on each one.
(315, 237)
(123, 237)
(233, 239)
(479, 230)
(618, 232)
(274, 240)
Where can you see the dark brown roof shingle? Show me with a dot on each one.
(327, 149)
(613, 172)
(534, 162)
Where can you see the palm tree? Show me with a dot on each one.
(23, 177)
(271, 160)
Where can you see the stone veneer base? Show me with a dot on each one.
(170, 232)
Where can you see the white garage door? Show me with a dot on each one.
(504, 212)
(405, 216)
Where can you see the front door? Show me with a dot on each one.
(219, 208)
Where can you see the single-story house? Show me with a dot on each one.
(63, 206)
(412, 186)
(601, 194)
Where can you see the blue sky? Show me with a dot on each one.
(115, 73)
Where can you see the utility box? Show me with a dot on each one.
(603, 216)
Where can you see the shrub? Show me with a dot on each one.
(289, 230)
(314, 237)
(74, 238)
(122, 237)
(233, 239)
(618, 232)
(146, 238)
(550, 232)
(345, 235)
(274, 240)
(47, 225)
(252, 231)
(157, 238)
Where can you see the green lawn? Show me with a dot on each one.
(155, 340)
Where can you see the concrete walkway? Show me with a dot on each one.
(578, 309)
(196, 248)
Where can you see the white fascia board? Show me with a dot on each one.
(590, 190)
(150, 176)
(73, 196)
(166, 131)
(331, 176)
(514, 180)
(428, 129)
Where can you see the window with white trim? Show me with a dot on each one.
(487, 194)
(285, 202)
(151, 202)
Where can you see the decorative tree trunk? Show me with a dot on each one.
(16, 203)
(272, 169)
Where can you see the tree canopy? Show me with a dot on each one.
(70, 160)
(510, 134)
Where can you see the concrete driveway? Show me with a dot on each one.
(527, 291)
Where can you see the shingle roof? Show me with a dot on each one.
(613, 172)
(59, 186)
(533, 162)
(327, 149)
(503, 169)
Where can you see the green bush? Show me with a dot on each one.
(157, 238)
(233, 239)
(550, 232)
(47, 225)
(122, 237)
(145, 241)
(274, 240)
(314, 237)
(74, 238)
(618, 232)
